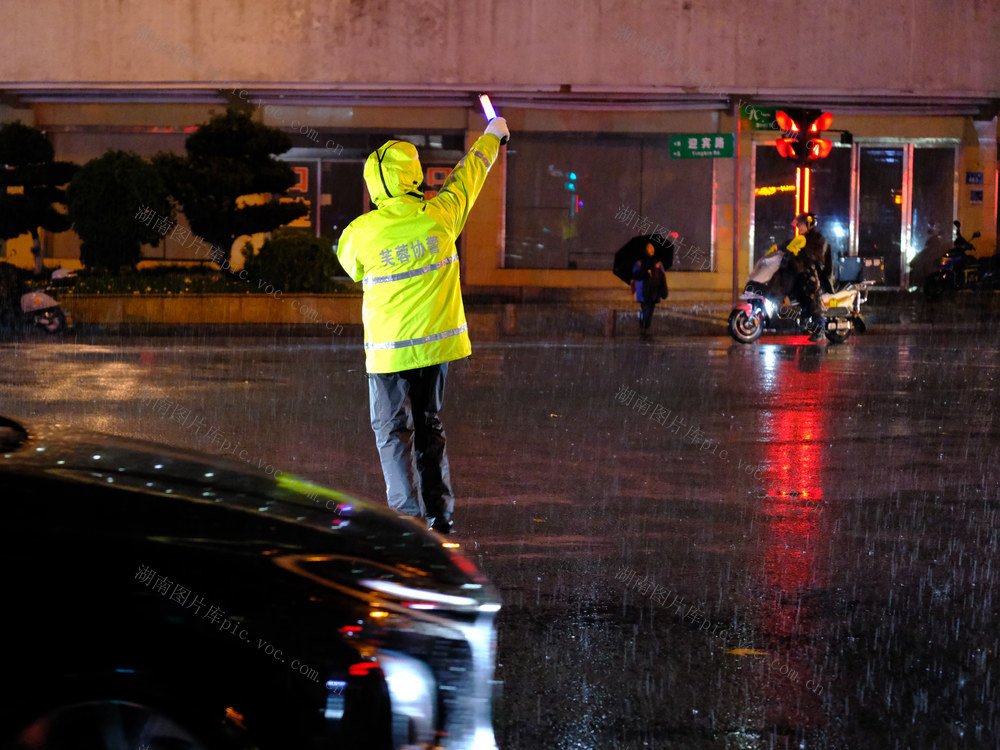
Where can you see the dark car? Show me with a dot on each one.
(159, 599)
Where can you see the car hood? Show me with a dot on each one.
(317, 532)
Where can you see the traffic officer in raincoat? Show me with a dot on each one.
(414, 320)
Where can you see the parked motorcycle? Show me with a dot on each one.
(989, 274)
(765, 307)
(36, 308)
(957, 268)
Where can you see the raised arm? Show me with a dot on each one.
(462, 187)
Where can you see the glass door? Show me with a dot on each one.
(881, 208)
(892, 200)
(933, 210)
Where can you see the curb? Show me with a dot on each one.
(896, 313)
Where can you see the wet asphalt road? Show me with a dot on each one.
(698, 544)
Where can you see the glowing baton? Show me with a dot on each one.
(491, 114)
(488, 110)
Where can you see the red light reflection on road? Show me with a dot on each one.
(795, 537)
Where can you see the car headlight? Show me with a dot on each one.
(418, 596)
(412, 696)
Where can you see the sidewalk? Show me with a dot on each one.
(886, 312)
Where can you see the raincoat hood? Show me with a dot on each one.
(393, 170)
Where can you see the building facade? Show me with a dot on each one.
(626, 120)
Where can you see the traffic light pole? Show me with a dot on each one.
(736, 203)
(803, 176)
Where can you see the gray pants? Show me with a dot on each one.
(404, 414)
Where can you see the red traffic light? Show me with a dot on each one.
(821, 123)
(786, 123)
(786, 148)
(799, 128)
(814, 148)
(819, 148)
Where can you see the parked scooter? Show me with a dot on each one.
(989, 274)
(957, 268)
(765, 307)
(35, 308)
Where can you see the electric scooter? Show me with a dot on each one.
(957, 268)
(766, 309)
(38, 308)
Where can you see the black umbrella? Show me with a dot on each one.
(635, 248)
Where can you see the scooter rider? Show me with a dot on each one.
(814, 264)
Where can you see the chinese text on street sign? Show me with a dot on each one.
(701, 146)
(760, 118)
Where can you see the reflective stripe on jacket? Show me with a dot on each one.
(405, 255)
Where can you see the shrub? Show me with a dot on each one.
(228, 157)
(30, 186)
(162, 280)
(106, 199)
(295, 261)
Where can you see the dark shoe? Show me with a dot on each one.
(440, 526)
(819, 329)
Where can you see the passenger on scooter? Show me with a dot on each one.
(815, 265)
(784, 283)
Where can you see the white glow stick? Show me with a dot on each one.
(488, 110)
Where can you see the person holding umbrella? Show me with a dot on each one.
(641, 263)
(649, 283)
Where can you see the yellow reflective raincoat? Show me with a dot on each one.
(405, 255)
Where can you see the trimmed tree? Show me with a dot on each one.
(295, 260)
(31, 186)
(116, 203)
(228, 158)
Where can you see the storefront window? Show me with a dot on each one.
(572, 201)
(831, 200)
(933, 210)
(880, 207)
(774, 200)
(341, 196)
(330, 180)
(775, 192)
